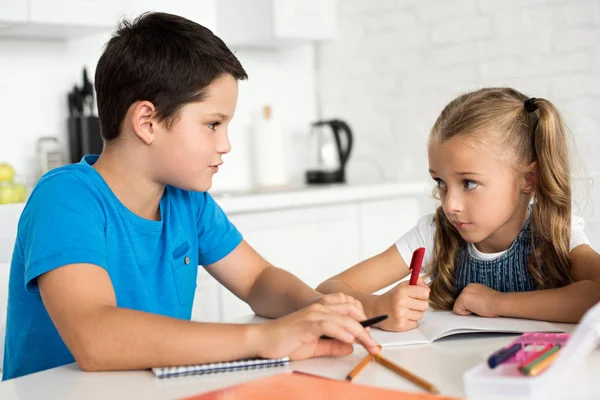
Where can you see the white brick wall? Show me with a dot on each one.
(395, 65)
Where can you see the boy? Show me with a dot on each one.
(104, 267)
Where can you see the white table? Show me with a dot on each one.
(442, 363)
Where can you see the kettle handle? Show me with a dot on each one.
(343, 153)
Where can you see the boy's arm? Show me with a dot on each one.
(81, 302)
(271, 292)
(565, 304)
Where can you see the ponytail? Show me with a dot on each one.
(551, 216)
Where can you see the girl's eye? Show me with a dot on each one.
(440, 183)
(213, 125)
(470, 185)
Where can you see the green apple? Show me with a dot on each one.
(7, 173)
(6, 193)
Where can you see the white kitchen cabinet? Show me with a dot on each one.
(275, 23)
(308, 242)
(61, 19)
(12, 11)
(207, 303)
(240, 23)
(90, 13)
(65, 19)
(200, 11)
(384, 221)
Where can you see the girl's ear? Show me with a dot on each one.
(529, 178)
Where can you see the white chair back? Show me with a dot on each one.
(9, 218)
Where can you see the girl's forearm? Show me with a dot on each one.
(566, 304)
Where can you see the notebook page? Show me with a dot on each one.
(438, 324)
(387, 339)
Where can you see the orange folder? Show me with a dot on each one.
(296, 387)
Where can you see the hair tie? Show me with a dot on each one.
(530, 105)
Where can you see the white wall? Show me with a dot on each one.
(397, 63)
(35, 77)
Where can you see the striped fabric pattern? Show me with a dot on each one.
(507, 273)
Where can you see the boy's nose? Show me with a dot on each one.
(224, 145)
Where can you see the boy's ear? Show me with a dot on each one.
(143, 121)
(529, 178)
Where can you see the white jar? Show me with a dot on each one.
(269, 152)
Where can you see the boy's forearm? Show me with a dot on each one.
(122, 339)
(566, 304)
(335, 286)
(277, 292)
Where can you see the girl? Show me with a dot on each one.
(503, 242)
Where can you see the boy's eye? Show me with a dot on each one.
(440, 183)
(213, 125)
(470, 185)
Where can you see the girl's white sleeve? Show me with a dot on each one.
(422, 235)
(578, 236)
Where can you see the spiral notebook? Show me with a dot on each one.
(200, 369)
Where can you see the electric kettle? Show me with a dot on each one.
(330, 144)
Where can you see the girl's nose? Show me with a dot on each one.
(453, 201)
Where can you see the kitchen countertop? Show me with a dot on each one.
(300, 196)
(305, 196)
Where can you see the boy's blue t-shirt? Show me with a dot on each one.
(72, 216)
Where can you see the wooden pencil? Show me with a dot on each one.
(406, 374)
(352, 374)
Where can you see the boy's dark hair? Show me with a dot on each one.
(162, 58)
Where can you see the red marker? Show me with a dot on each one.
(415, 264)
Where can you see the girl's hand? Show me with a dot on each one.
(297, 335)
(477, 299)
(405, 305)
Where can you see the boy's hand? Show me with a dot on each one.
(477, 299)
(297, 335)
(356, 311)
(405, 305)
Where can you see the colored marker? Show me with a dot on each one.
(535, 354)
(543, 365)
(415, 264)
(503, 355)
(540, 363)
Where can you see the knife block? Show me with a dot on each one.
(84, 137)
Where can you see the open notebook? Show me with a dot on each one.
(438, 324)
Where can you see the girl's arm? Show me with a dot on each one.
(271, 292)
(566, 304)
(404, 304)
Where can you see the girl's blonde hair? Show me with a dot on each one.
(531, 136)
